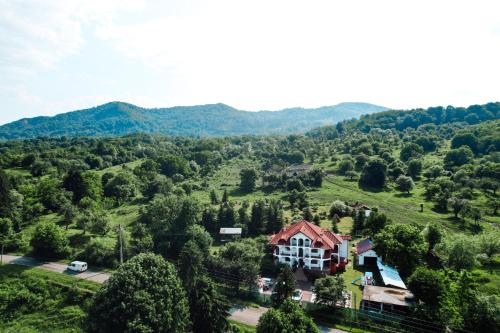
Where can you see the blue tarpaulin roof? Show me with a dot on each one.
(390, 276)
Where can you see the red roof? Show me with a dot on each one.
(363, 246)
(320, 237)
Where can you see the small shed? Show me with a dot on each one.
(365, 253)
(227, 234)
(377, 298)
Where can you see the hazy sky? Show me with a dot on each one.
(58, 56)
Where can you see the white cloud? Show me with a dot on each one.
(256, 54)
(37, 35)
(296, 52)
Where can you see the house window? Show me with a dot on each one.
(308, 242)
(314, 261)
(301, 242)
(287, 259)
(314, 250)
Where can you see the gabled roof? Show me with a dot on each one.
(359, 205)
(364, 246)
(320, 237)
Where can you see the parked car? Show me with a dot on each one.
(297, 295)
(267, 283)
(78, 266)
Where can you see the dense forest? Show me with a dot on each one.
(430, 175)
(117, 118)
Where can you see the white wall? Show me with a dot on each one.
(361, 257)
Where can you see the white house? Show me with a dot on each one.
(365, 253)
(312, 247)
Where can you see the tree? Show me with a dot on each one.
(414, 168)
(458, 157)
(209, 308)
(330, 291)
(409, 151)
(225, 197)
(171, 165)
(457, 252)
(489, 244)
(143, 295)
(401, 245)
(405, 184)
(6, 234)
(289, 317)
(340, 209)
(285, 284)
(307, 214)
(99, 224)
(374, 173)
(214, 198)
(257, 224)
(190, 264)
(433, 236)
(5, 188)
(464, 139)
(274, 217)
(122, 187)
(427, 285)
(335, 223)
(69, 213)
(248, 178)
(241, 260)
(375, 223)
(345, 166)
(458, 205)
(49, 241)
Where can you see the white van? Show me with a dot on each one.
(77, 266)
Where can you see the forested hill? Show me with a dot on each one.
(117, 118)
(404, 119)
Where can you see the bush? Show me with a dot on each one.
(98, 254)
(50, 241)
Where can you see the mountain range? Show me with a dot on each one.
(118, 118)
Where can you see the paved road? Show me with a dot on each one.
(245, 315)
(90, 275)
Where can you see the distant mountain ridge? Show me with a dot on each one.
(118, 118)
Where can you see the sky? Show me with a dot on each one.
(57, 56)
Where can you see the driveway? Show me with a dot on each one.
(90, 275)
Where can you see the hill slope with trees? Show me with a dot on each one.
(117, 118)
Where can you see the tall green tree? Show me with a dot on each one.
(257, 224)
(285, 284)
(401, 245)
(5, 188)
(143, 295)
(248, 178)
(49, 241)
(330, 291)
(374, 173)
(208, 306)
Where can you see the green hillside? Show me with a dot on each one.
(117, 118)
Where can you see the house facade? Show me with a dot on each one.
(309, 246)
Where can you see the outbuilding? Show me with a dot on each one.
(227, 234)
(365, 253)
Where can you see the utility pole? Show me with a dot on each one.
(121, 242)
